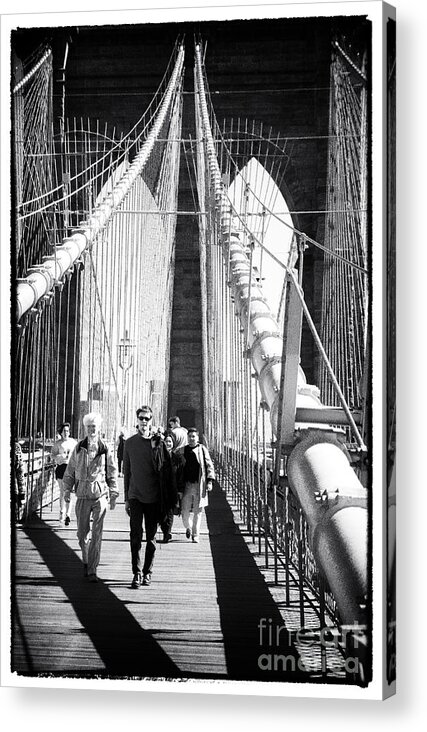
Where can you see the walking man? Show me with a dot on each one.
(181, 433)
(149, 492)
(61, 452)
(91, 473)
(198, 476)
(120, 448)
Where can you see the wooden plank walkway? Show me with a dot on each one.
(198, 619)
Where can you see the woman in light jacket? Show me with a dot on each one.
(199, 475)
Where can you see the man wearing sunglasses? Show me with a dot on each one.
(148, 490)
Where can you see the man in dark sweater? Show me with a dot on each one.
(148, 489)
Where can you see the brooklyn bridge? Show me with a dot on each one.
(191, 231)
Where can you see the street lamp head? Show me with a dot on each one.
(126, 349)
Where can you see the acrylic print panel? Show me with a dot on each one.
(192, 209)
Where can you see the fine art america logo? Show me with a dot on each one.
(280, 653)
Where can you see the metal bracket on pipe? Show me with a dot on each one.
(34, 314)
(326, 415)
(291, 365)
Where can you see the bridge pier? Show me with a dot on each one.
(185, 397)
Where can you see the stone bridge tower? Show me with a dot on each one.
(274, 72)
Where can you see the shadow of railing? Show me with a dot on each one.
(258, 646)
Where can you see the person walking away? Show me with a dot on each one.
(199, 475)
(61, 452)
(19, 482)
(177, 467)
(181, 433)
(91, 473)
(148, 489)
(120, 448)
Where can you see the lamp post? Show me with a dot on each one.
(126, 349)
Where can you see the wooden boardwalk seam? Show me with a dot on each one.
(199, 618)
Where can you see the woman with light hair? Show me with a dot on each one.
(91, 474)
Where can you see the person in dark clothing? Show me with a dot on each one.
(181, 433)
(177, 477)
(120, 448)
(199, 475)
(148, 490)
(19, 482)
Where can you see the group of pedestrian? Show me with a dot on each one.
(165, 474)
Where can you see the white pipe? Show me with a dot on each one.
(31, 73)
(334, 504)
(43, 277)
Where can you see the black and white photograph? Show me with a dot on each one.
(202, 372)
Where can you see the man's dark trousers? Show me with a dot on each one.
(150, 513)
(167, 522)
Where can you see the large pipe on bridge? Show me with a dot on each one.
(42, 278)
(332, 498)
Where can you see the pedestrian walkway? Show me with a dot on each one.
(211, 611)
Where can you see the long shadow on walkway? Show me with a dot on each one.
(122, 644)
(246, 605)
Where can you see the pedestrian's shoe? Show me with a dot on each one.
(85, 570)
(188, 533)
(147, 580)
(92, 577)
(67, 521)
(195, 539)
(167, 538)
(136, 582)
